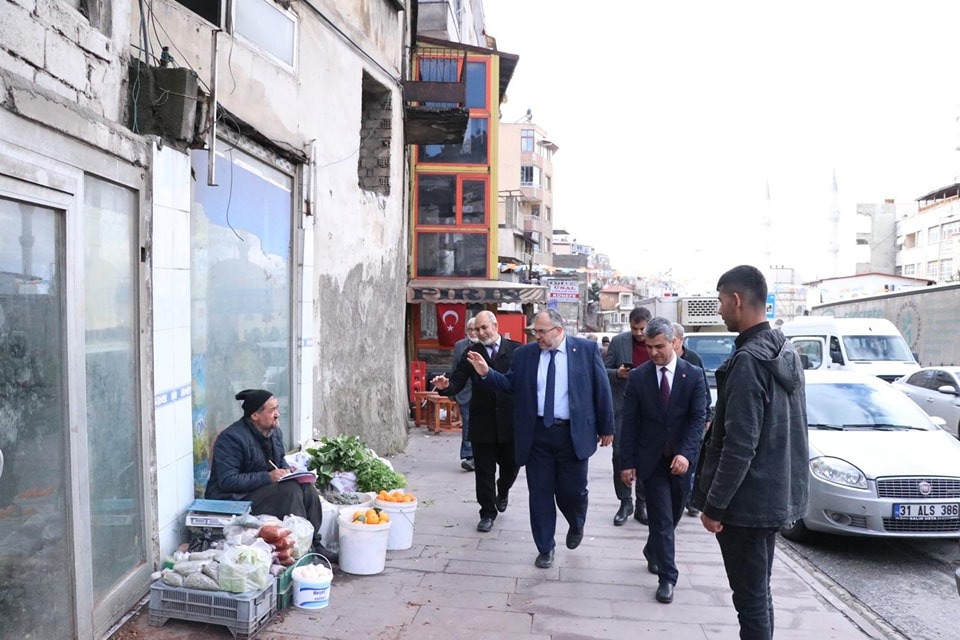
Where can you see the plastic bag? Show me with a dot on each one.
(238, 526)
(199, 580)
(186, 567)
(302, 532)
(344, 480)
(245, 568)
(172, 578)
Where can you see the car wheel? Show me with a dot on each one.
(797, 532)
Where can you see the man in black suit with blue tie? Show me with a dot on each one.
(664, 408)
(562, 409)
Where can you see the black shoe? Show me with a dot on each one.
(574, 538)
(485, 524)
(665, 593)
(652, 566)
(640, 515)
(544, 560)
(502, 502)
(626, 510)
(693, 511)
(332, 556)
(467, 464)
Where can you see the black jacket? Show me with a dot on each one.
(240, 460)
(491, 412)
(753, 469)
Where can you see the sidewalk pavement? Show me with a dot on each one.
(456, 582)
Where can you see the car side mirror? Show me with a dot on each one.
(948, 389)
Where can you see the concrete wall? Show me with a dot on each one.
(354, 248)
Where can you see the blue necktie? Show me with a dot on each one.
(548, 392)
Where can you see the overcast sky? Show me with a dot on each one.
(673, 117)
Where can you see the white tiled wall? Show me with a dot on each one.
(171, 341)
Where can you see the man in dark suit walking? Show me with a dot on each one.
(491, 419)
(626, 351)
(664, 407)
(562, 409)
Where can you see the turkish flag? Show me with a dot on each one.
(451, 323)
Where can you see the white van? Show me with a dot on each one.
(869, 345)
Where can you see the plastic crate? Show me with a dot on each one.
(244, 614)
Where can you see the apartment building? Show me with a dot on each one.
(454, 223)
(928, 241)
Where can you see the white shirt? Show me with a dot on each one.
(561, 397)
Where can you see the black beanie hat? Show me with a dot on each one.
(253, 399)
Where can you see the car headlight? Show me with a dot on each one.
(839, 472)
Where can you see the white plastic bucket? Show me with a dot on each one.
(402, 518)
(330, 529)
(312, 593)
(363, 547)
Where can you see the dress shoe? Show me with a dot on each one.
(485, 524)
(640, 515)
(652, 566)
(502, 502)
(693, 511)
(626, 510)
(665, 593)
(574, 538)
(544, 560)
(467, 464)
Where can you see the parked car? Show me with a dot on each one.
(879, 465)
(714, 347)
(937, 391)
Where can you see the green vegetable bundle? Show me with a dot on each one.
(349, 453)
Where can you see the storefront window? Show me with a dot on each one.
(476, 85)
(436, 199)
(36, 568)
(452, 254)
(241, 276)
(473, 149)
(113, 424)
(474, 204)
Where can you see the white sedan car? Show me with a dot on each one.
(879, 465)
(937, 391)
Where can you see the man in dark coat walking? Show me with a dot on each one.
(491, 419)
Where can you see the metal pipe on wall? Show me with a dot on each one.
(212, 113)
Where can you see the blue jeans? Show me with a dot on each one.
(466, 449)
(748, 558)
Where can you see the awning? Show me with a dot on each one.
(479, 291)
